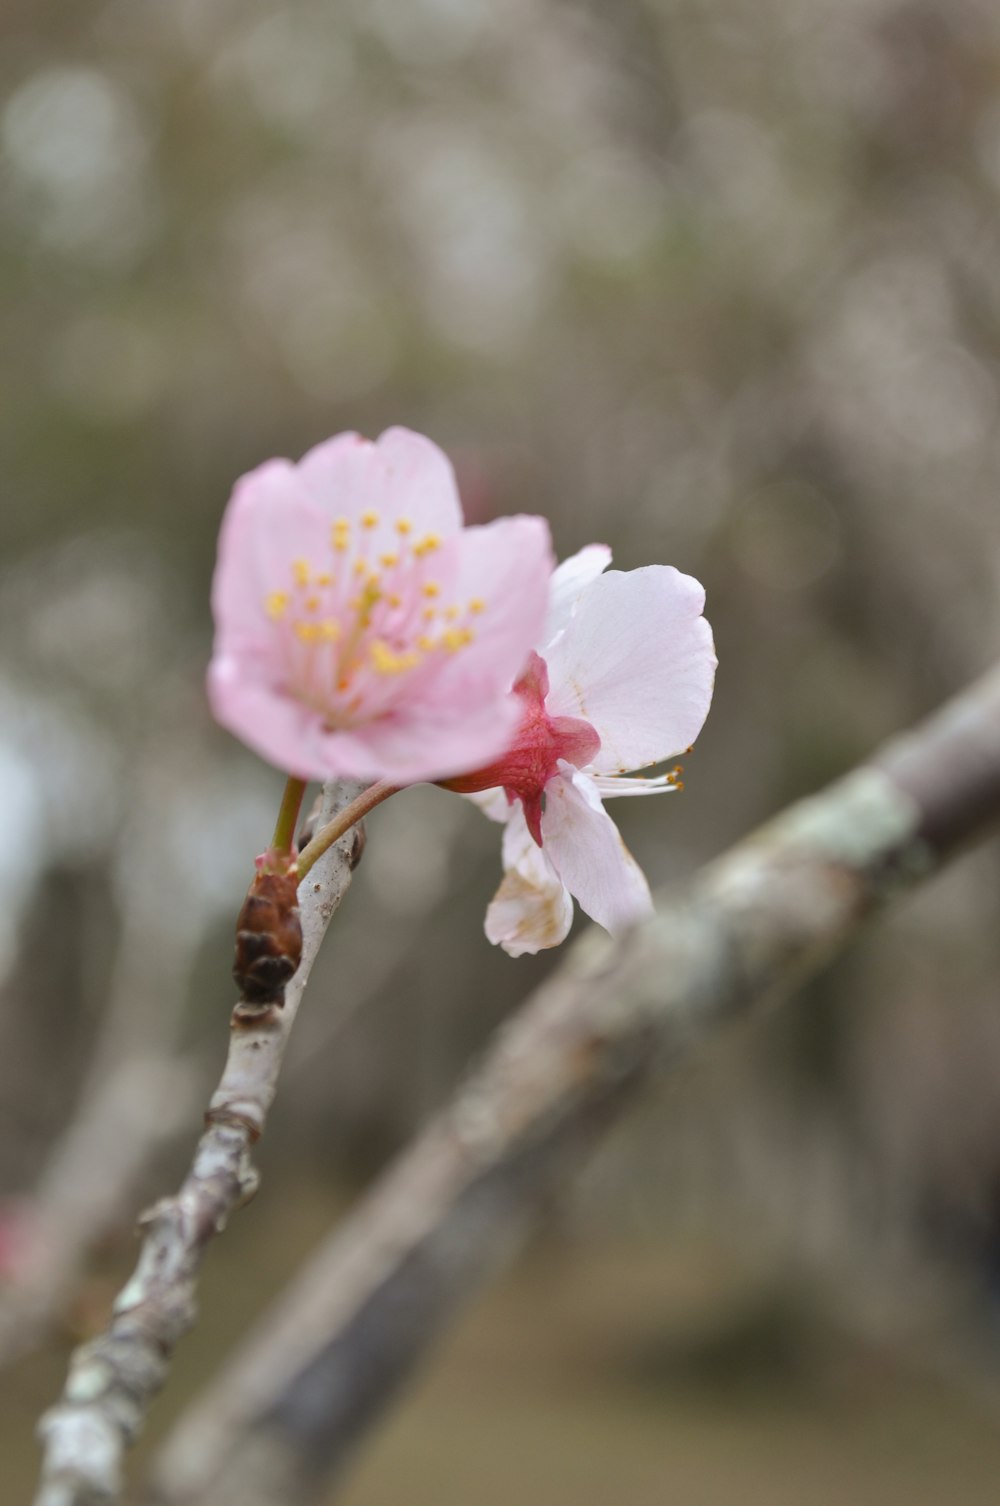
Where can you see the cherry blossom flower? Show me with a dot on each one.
(623, 680)
(361, 631)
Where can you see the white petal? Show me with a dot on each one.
(636, 661)
(569, 582)
(532, 909)
(492, 803)
(584, 845)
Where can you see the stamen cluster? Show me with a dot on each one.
(366, 612)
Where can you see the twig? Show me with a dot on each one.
(331, 831)
(113, 1378)
(291, 1406)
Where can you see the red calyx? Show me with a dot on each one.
(533, 757)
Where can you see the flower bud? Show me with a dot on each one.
(268, 939)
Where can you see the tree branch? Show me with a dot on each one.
(113, 1378)
(291, 1406)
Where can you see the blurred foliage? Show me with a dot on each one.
(717, 283)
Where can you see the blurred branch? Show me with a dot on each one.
(136, 1093)
(113, 1379)
(293, 1404)
(86, 1185)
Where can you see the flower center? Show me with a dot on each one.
(366, 616)
(533, 758)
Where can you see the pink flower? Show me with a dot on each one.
(361, 631)
(623, 681)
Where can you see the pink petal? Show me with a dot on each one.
(568, 584)
(638, 662)
(421, 745)
(269, 522)
(531, 909)
(400, 475)
(418, 743)
(281, 729)
(584, 846)
(506, 567)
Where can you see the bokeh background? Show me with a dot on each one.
(716, 283)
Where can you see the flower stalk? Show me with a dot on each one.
(283, 841)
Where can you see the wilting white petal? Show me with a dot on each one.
(532, 909)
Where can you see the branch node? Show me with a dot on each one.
(231, 1116)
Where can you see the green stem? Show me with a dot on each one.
(348, 817)
(291, 803)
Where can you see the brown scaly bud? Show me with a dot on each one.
(268, 938)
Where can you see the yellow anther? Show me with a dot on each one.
(329, 629)
(426, 644)
(383, 657)
(369, 519)
(451, 613)
(404, 526)
(306, 632)
(429, 614)
(427, 544)
(456, 638)
(477, 605)
(300, 572)
(326, 579)
(388, 663)
(312, 603)
(276, 604)
(388, 560)
(361, 567)
(394, 599)
(341, 525)
(431, 588)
